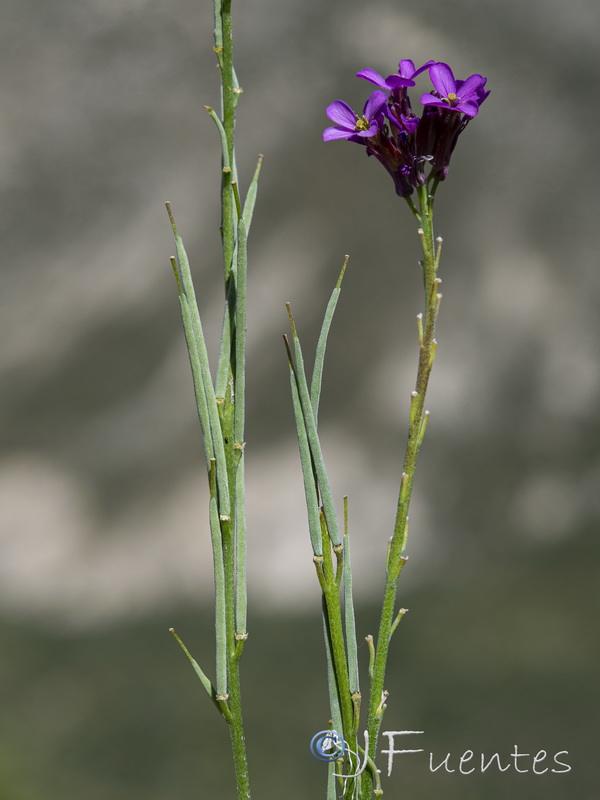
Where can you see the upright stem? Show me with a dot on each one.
(231, 406)
(418, 420)
(221, 409)
(236, 730)
(229, 99)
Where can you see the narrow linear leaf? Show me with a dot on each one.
(241, 597)
(349, 618)
(198, 335)
(228, 176)
(219, 574)
(204, 679)
(222, 136)
(239, 425)
(201, 404)
(331, 795)
(218, 34)
(250, 201)
(234, 172)
(224, 363)
(317, 376)
(310, 490)
(224, 366)
(240, 335)
(313, 439)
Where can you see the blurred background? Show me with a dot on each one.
(103, 533)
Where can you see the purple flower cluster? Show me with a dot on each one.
(403, 142)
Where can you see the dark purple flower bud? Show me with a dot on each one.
(398, 171)
(437, 135)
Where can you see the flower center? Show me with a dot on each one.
(452, 97)
(362, 124)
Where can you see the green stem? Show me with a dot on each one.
(331, 593)
(229, 102)
(232, 570)
(221, 410)
(230, 375)
(418, 418)
(236, 731)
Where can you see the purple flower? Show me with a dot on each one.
(398, 111)
(463, 96)
(349, 125)
(414, 150)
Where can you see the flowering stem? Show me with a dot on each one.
(418, 419)
(221, 409)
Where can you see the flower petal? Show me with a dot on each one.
(410, 123)
(425, 66)
(471, 87)
(431, 100)
(370, 75)
(397, 81)
(341, 113)
(374, 103)
(329, 134)
(395, 120)
(442, 78)
(468, 107)
(406, 68)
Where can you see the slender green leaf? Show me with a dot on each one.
(201, 404)
(317, 376)
(224, 365)
(331, 795)
(222, 135)
(310, 490)
(240, 335)
(349, 619)
(313, 439)
(219, 573)
(202, 355)
(250, 201)
(206, 683)
(241, 596)
(204, 680)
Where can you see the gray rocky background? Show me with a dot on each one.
(103, 536)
